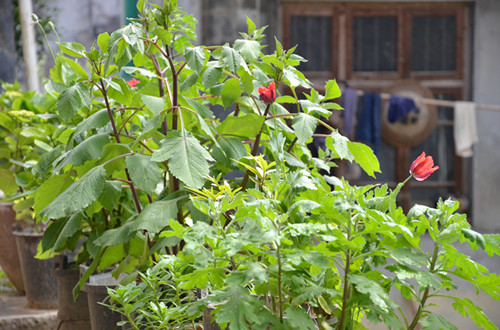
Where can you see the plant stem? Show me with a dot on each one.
(346, 293)
(421, 306)
(280, 294)
(117, 136)
(255, 148)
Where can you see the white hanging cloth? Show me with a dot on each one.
(465, 129)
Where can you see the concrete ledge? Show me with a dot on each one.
(14, 315)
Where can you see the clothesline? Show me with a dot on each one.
(440, 103)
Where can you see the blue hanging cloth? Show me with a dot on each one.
(399, 107)
(368, 130)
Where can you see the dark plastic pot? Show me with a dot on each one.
(9, 259)
(73, 315)
(101, 317)
(39, 282)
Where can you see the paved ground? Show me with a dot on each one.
(15, 316)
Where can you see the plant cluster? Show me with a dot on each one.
(238, 209)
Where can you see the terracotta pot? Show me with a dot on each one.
(9, 259)
(39, 282)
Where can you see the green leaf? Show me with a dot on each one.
(231, 91)
(156, 216)
(249, 49)
(364, 156)
(474, 236)
(298, 318)
(470, 309)
(434, 321)
(332, 90)
(211, 76)
(153, 103)
(243, 126)
(231, 58)
(97, 120)
(187, 158)
(110, 194)
(78, 196)
(339, 144)
(103, 42)
(112, 255)
(72, 48)
(239, 308)
(195, 58)
(59, 232)
(304, 126)
(144, 173)
(89, 149)
(71, 100)
(230, 148)
(7, 122)
(49, 190)
(8, 182)
(372, 289)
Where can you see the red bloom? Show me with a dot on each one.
(132, 82)
(268, 94)
(422, 167)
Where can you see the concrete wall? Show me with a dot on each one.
(486, 89)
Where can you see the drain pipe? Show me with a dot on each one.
(29, 44)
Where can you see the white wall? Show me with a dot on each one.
(486, 89)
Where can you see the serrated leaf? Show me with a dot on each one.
(372, 289)
(231, 58)
(187, 158)
(434, 321)
(72, 48)
(144, 173)
(60, 231)
(229, 148)
(211, 76)
(78, 195)
(195, 58)
(243, 126)
(339, 144)
(364, 156)
(89, 149)
(71, 100)
(298, 318)
(153, 103)
(110, 194)
(143, 72)
(97, 120)
(249, 49)
(304, 126)
(474, 236)
(231, 91)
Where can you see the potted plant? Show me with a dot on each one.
(29, 146)
(153, 188)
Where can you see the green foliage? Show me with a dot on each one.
(148, 179)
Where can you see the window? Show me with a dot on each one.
(369, 46)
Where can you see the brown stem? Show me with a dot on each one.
(117, 136)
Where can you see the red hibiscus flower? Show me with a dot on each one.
(132, 82)
(422, 167)
(268, 94)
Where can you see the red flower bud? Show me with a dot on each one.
(422, 167)
(268, 94)
(132, 82)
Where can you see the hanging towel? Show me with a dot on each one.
(368, 129)
(465, 130)
(399, 107)
(350, 109)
